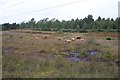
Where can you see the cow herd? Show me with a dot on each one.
(73, 39)
(60, 38)
(43, 37)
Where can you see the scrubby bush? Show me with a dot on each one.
(109, 55)
(83, 54)
(11, 36)
(108, 38)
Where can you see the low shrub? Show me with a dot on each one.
(11, 36)
(108, 38)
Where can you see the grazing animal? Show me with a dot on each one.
(67, 41)
(78, 37)
(36, 37)
(72, 39)
(44, 37)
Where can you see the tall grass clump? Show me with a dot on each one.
(108, 55)
(83, 53)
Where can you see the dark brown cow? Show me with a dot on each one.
(78, 37)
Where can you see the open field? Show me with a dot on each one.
(31, 54)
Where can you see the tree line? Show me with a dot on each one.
(73, 25)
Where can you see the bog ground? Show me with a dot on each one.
(41, 54)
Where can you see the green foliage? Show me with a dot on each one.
(83, 53)
(108, 55)
(46, 68)
(77, 25)
(7, 26)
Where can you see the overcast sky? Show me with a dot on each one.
(23, 10)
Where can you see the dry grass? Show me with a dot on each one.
(29, 57)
